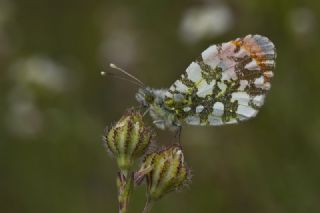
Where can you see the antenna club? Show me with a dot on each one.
(113, 66)
(103, 73)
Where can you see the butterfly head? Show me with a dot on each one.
(144, 97)
(148, 96)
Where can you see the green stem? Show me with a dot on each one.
(125, 185)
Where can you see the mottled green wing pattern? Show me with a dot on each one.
(226, 85)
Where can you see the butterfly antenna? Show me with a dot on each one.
(103, 73)
(113, 66)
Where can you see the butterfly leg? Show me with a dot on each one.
(177, 135)
(146, 112)
(159, 123)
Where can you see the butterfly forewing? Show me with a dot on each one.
(226, 84)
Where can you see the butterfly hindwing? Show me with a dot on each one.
(227, 84)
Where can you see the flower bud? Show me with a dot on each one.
(168, 172)
(128, 139)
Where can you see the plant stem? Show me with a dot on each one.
(148, 206)
(125, 185)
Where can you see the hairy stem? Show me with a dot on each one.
(125, 185)
(148, 206)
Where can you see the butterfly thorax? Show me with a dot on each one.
(153, 100)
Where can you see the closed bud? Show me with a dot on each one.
(128, 139)
(168, 171)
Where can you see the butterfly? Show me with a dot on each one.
(226, 84)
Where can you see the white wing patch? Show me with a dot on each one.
(252, 65)
(218, 109)
(210, 56)
(205, 89)
(246, 111)
(194, 72)
(180, 87)
(193, 120)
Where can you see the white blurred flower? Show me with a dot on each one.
(206, 21)
(40, 71)
(120, 38)
(302, 21)
(23, 118)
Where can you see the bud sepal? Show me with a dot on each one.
(128, 139)
(168, 172)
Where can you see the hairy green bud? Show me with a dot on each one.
(128, 139)
(168, 171)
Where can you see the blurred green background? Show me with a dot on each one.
(54, 104)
